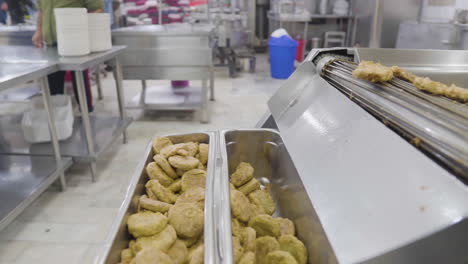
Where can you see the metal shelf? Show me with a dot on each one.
(22, 180)
(14, 73)
(105, 130)
(330, 16)
(167, 98)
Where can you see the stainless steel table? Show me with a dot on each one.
(22, 180)
(170, 52)
(31, 55)
(104, 131)
(12, 74)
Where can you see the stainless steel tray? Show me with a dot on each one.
(264, 149)
(119, 237)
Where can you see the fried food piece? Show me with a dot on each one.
(195, 195)
(263, 246)
(250, 186)
(184, 163)
(237, 249)
(232, 187)
(263, 200)
(126, 256)
(240, 206)
(244, 173)
(153, 205)
(180, 172)
(162, 241)
(178, 252)
(132, 246)
(203, 153)
(193, 178)
(156, 173)
(150, 194)
(404, 74)
(286, 226)
(279, 257)
(247, 237)
(183, 149)
(295, 247)
(150, 256)
(176, 186)
(236, 227)
(248, 258)
(165, 166)
(265, 225)
(190, 241)
(187, 219)
(437, 88)
(191, 148)
(197, 254)
(162, 193)
(160, 143)
(373, 72)
(201, 167)
(146, 224)
(456, 93)
(429, 85)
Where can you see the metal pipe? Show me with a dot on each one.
(204, 108)
(421, 6)
(160, 12)
(120, 95)
(53, 132)
(143, 93)
(376, 29)
(85, 117)
(98, 83)
(212, 91)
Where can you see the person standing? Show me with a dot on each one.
(46, 32)
(3, 12)
(18, 10)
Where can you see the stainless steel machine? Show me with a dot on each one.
(169, 52)
(369, 173)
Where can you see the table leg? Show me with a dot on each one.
(92, 168)
(143, 93)
(306, 32)
(212, 91)
(120, 95)
(354, 30)
(85, 115)
(53, 132)
(205, 118)
(98, 83)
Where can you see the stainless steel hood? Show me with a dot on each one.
(379, 199)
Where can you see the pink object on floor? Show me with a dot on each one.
(179, 84)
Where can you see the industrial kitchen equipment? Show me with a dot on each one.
(368, 173)
(169, 52)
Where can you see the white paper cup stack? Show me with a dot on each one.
(99, 32)
(72, 31)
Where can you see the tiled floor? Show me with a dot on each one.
(71, 226)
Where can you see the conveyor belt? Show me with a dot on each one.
(437, 125)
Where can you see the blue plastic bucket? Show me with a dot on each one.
(282, 56)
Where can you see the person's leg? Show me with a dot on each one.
(56, 82)
(87, 83)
